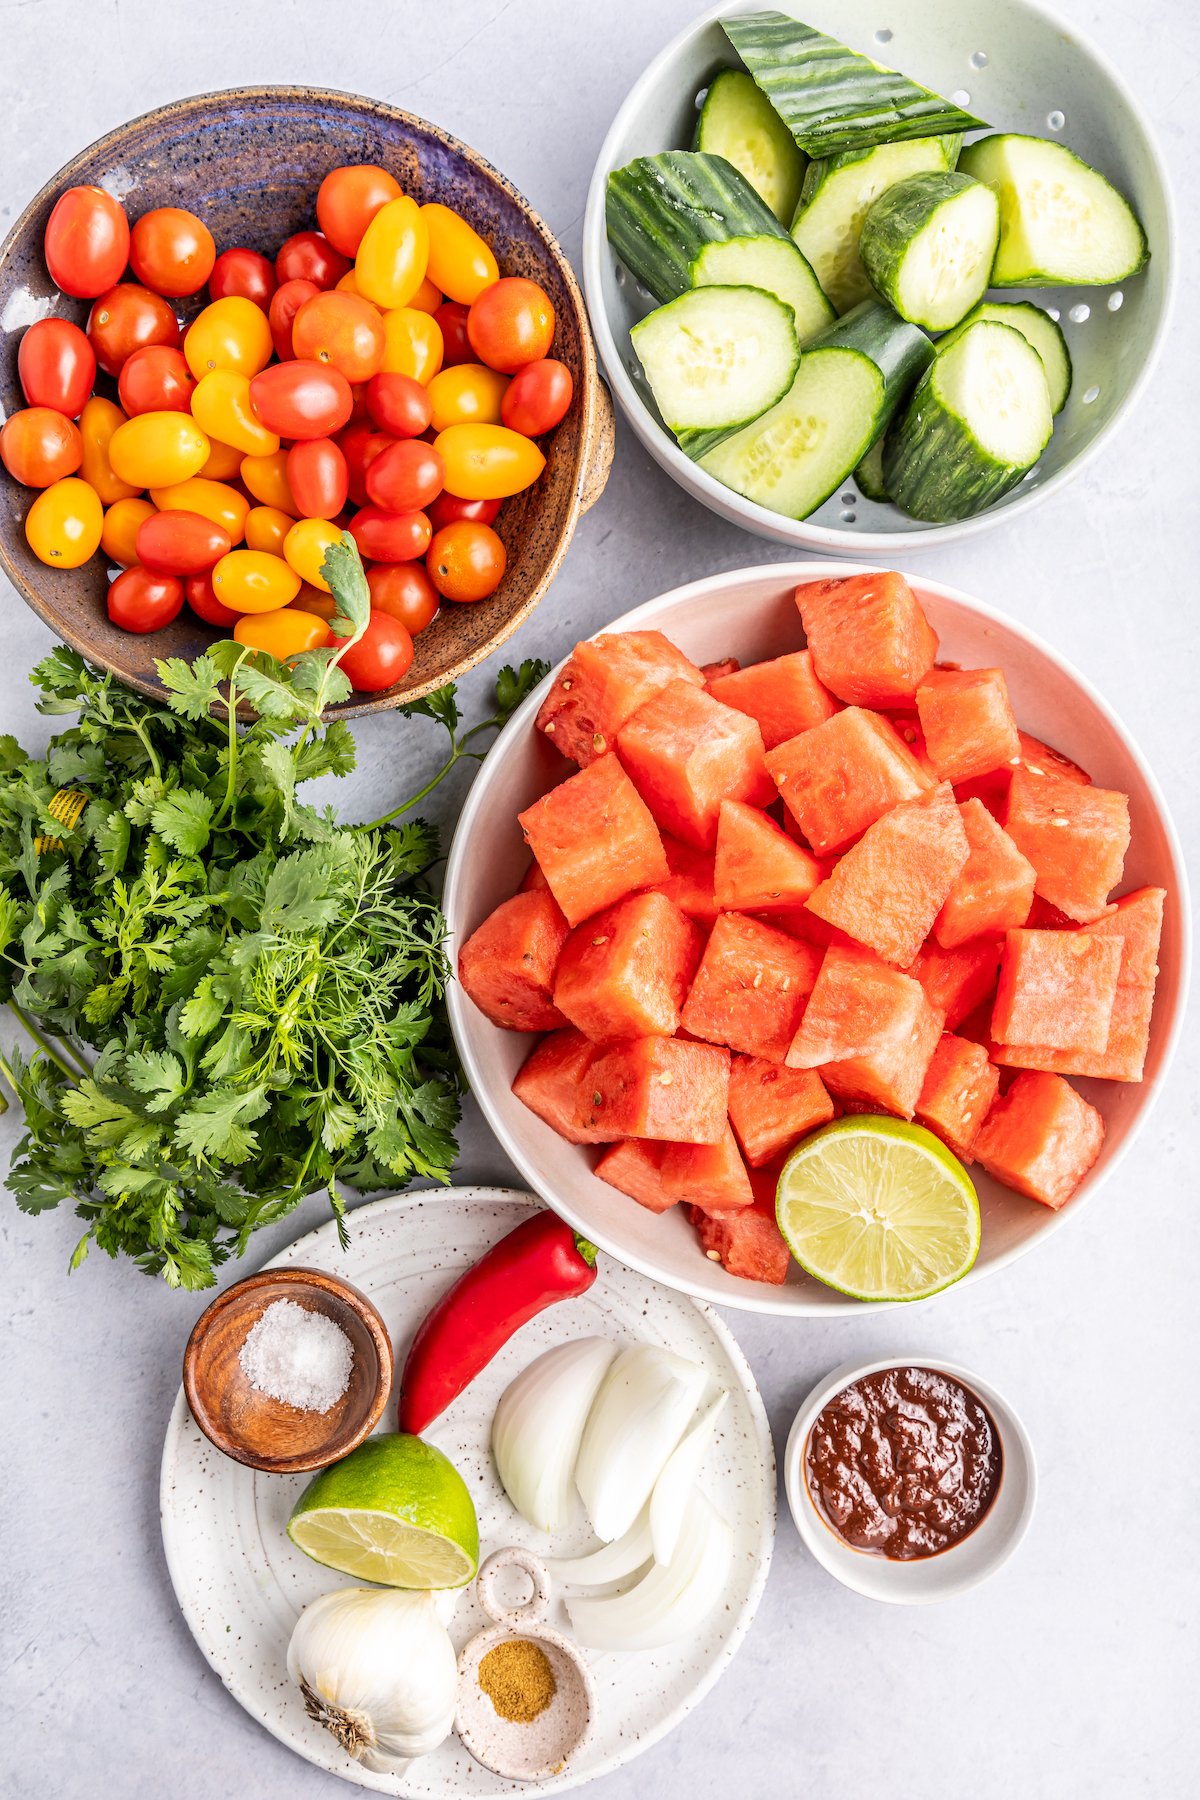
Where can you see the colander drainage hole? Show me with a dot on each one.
(1079, 315)
(1115, 301)
(849, 499)
(848, 516)
(883, 35)
(1092, 394)
(961, 97)
(979, 59)
(1056, 120)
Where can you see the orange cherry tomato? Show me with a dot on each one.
(349, 198)
(467, 394)
(311, 600)
(251, 581)
(405, 477)
(392, 254)
(139, 600)
(399, 404)
(56, 366)
(126, 318)
(266, 528)
(452, 323)
(181, 543)
(156, 379)
(224, 461)
(97, 422)
(301, 399)
(427, 298)
(404, 591)
(266, 478)
(211, 499)
(87, 242)
(318, 477)
(198, 591)
(381, 657)
(460, 262)
(341, 330)
(487, 462)
(538, 397)
(122, 521)
(288, 631)
(390, 537)
(158, 449)
(171, 251)
(447, 509)
(232, 333)
(40, 445)
(412, 344)
(285, 304)
(309, 256)
(243, 272)
(64, 523)
(511, 324)
(466, 562)
(305, 547)
(349, 285)
(221, 407)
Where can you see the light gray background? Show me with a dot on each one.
(1074, 1672)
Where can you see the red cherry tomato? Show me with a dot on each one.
(198, 590)
(404, 591)
(301, 399)
(343, 331)
(156, 379)
(448, 509)
(140, 600)
(511, 324)
(308, 256)
(40, 445)
(537, 398)
(171, 251)
(360, 446)
(349, 198)
(383, 655)
(243, 272)
(127, 318)
(286, 302)
(399, 404)
(451, 317)
(466, 562)
(56, 366)
(405, 477)
(180, 543)
(87, 242)
(390, 537)
(318, 477)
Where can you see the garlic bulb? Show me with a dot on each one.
(376, 1667)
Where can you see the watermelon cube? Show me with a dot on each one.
(533, 880)
(713, 671)
(783, 695)
(757, 864)
(842, 775)
(709, 1175)
(1056, 989)
(958, 981)
(888, 889)
(870, 1031)
(657, 1087)
(603, 683)
(507, 964)
(747, 1242)
(636, 1169)
(1136, 920)
(686, 753)
(594, 839)
(958, 1091)
(907, 727)
(1041, 1138)
(1075, 837)
(968, 722)
(750, 988)
(771, 1107)
(690, 883)
(871, 643)
(1036, 758)
(548, 1082)
(625, 973)
(993, 891)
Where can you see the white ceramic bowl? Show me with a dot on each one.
(751, 614)
(966, 1563)
(1036, 69)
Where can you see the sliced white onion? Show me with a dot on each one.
(638, 1417)
(612, 1562)
(538, 1425)
(672, 1490)
(672, 1600)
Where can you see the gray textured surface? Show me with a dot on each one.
(1075, 1671)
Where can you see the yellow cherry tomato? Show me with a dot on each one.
(64, 523)
(251, 581)
(487, 462)
(221, 407)
(157, 449)
(459, 262)
(427, 298)
(391, 259)
(412, 344)
(305, 548)
(266, 528)
(266, 478)
(232, 333)
(349, 285)
(224, 461)
(211, 499)
(285, 632)
(466, 394)
(121, 521)
(97, 422)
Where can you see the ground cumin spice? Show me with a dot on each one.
(518, 1680)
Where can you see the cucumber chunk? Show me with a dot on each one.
(1038, 329)
(979, 418)
(927, 245)
(869, 473)
(738, 122)
(837, 195)
(662, 210)
(717, 357)
(1060, 221)
(773, 263)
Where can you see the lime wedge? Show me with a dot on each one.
(395, 1511)
(878, 1209)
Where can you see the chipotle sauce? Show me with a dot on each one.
(903, 1463)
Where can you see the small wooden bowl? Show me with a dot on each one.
(250, 1426)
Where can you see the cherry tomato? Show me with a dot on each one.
(301, 399)
(87, 242)
(412, 344)
(97, 422)
(122, 521)
(310, 600)
(64, 523)
(511, 324)
(389, 264)
(447, 509)
(285, 304)
(158, 449)
(244, 273)
(360, 446)
(467, 394)
(427, 298)
(180, 543)
(213, 500)
(198, 590)
(266, 528)
(342, 331)
(466, 561)
(405, 477)
(399, 404)
(451, 318)
(349, 285)
(382, 656)
(250, 581)
(221, 407)
(288, 631)
(40, 445)
(404, 591)
(538, 397)
(56, 366)
(139, 600)
(308, 256)
(171, 251)
(224, 461)
(232, 333)
(390, 537)
(156, 379)
(349, 198)
(488, 462)
(305, 547)
(460, 262)
(266, 478)
(127, 318)
(318, 477)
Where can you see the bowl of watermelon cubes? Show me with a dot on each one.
(797, 842)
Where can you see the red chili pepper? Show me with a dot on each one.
(539, 1263)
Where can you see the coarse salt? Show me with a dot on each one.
(297, 1356)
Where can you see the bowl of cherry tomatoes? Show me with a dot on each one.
(249, 321)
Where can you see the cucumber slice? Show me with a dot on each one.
(662, 210)
(1060, 221)
(869, 473)
(978, 420)
(1038, 329)
(773, 263)
(928, 244)
(901, 351)
(831, 98)
(837, 195)
(738, 122)
(717, 357)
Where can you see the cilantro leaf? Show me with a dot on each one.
(515, 685)
(441, 705)
(193, 689)
(343, 570)
(183, 818)
(217, 1126)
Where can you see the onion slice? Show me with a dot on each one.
(672, 1600)
(639, 1415)
(537, 1427)
(611, 1562)
(672, 1490)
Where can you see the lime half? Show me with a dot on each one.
(878, 1209)
(394, 1511)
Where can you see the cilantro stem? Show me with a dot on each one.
(457, 754)
(147, 746)
(231, 715)
(44, 1044)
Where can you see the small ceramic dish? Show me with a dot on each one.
(255, 1429)
(965, 1564)
(535, 1749)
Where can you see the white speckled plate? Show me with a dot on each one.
(241, 1584)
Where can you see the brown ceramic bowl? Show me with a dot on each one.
(252, 1427)
(249, 162)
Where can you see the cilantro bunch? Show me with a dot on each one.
(260, 987)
